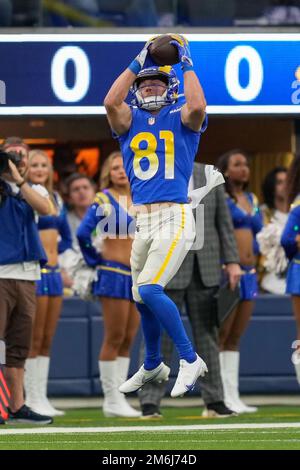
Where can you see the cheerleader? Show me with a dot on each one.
(290, 241)
(247, 222)
(49, 290)
(109, 216)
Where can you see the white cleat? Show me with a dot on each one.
(143, 376)
(188, 375)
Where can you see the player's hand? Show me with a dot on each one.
(182, 45)
(143, 60)
(297, 239)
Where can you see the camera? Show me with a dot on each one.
(5, 156)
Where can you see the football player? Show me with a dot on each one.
(159, 139)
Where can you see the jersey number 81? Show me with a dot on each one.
(151, 156)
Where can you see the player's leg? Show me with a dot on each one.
(153, 368)
(150, 325)
(172, 238)
(151, 394)
(168, 249)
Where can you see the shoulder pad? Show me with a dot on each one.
(103, 200)
(295, 204)
(254, 199)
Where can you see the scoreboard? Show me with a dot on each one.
(70, 74)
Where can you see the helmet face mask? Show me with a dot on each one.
(165, 74)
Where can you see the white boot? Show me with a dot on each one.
(43, 372)
(229, 361)
(123, 368)
(114, 403)
(31, 383)
(296, 362)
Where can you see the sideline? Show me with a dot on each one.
(153, 428)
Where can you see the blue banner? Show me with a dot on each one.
(71, 74)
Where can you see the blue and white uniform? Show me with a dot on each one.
(51, 283)
(158, 153)
(291, 230)
(252, 221)
(112, 221)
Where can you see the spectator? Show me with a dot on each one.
(209, 13)
(291, 243)
(167, 13)
(197, 282)
(114, 282)
(80, 195)
(247, 222)
(274, 211)
(5, 13)
(21, 253)
(49, 289)
(27, 13)
(136, 12)
(282, 12)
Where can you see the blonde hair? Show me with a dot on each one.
(49, 183)
(104, 180)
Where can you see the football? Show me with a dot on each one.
(162, 52)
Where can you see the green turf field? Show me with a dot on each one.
(87, 431)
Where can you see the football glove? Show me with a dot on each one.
(143, 59)
(182, 45)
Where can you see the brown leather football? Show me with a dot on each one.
(162, 52)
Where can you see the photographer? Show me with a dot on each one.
(21, 253)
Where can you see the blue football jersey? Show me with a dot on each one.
(158, 153)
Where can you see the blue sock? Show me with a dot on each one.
(151, 330)
(168, 315)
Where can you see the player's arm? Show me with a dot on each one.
(193, 111)
(118, 112)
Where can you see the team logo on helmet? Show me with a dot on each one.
(167, 75)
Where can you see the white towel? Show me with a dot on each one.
(213, 178)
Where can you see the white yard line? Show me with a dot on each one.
(170, 441)
(110, 429)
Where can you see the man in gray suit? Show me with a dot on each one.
(196, 283)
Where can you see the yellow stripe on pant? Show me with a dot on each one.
(172, 248)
